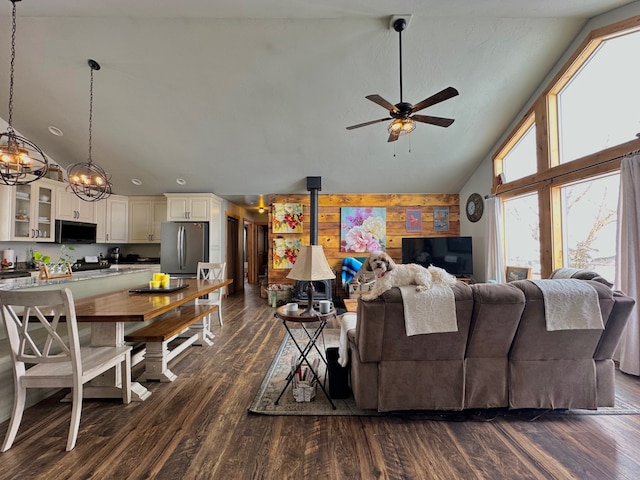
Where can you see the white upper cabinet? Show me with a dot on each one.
(27, 213)
(112, 219)
(146, 214)
(193, 208)
(70, 207)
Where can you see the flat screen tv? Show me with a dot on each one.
(454, 254)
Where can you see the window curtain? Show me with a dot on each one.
(628, 260)
(493, 233)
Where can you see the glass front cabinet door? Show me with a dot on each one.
(32, 212)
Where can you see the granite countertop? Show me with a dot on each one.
(30, 282)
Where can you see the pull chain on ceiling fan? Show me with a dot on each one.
(403, 112)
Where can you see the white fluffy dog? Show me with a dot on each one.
(390, 274)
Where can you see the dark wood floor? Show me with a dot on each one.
(198, 427)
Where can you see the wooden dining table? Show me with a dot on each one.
(108, 313)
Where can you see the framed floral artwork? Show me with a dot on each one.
(287, 218)
(285, 252)
(363, 229)
(413, 219)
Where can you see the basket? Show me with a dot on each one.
(304, 392)
(356, 289)
(279, 295)
(304, 384)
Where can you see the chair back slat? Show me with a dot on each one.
(213, 271)
(34, 328)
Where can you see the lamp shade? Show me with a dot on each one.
(311, 264)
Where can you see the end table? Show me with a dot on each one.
(304, 349)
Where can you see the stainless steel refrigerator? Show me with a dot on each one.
(183, 245)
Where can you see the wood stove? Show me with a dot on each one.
(322, 290)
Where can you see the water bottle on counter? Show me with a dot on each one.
(31, 263)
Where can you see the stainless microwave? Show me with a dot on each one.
(75, 232)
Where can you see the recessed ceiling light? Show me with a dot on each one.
(55, 131)
(181, 181)
(136, 181)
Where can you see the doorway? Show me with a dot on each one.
(262, 242)
(234, 259)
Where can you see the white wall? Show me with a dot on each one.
(481, 181)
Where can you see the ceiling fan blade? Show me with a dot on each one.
(441, 96)
(393, 137)
(382, 102)
(368, 123)
(439, 121)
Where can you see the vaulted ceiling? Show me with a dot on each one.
(249, 97)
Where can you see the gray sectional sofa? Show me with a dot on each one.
(502, 355)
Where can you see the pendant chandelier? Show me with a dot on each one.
(21, 161)
(88, 180)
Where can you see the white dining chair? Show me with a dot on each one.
(43, 332)
(212, 271)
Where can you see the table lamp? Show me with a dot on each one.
(311, 265)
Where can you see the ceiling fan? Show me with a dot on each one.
(403, 113)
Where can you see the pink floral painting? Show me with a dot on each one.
(287, 218)
(363, 229)
(285, 252)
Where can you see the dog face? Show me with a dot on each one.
(380, 263)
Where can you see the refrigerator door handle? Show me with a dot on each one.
(180, 246)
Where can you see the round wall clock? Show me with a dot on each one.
(475, 207)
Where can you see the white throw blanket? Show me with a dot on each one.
(347, 322)
(570, 305)
(429, 311)
(566, 272)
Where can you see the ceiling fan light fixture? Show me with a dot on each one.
(402, 126)
(403, 113)
(21, 161)
(88, 180)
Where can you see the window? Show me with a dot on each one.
(589, 214)
(520, 161)
(599, 106)
(522, 233)
(573, 138)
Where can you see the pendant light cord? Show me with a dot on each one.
(12, 68)
(90, 112)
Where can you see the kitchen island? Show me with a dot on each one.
(82, 285)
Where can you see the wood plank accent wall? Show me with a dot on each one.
(329, 222)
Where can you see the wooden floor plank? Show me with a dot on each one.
(198, 427)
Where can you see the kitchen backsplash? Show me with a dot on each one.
(80, 251)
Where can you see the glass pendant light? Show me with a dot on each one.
(88, 180)
(21, 161)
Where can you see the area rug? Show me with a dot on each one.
(275, 380)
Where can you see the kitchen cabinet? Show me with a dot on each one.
(30, 213)
(112, 219)
(146, 214)
(193, 208)
(70, 207)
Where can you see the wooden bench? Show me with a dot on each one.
(158, 334)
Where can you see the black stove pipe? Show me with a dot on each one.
(314, 185)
